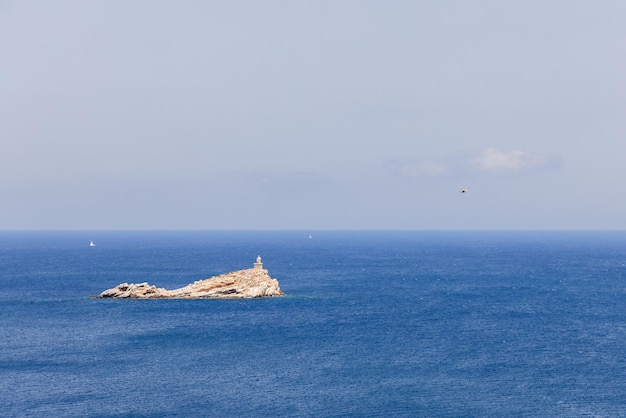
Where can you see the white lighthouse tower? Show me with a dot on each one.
(258, 264)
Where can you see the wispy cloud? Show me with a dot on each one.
(290, 182)
(418, 169)
(496, 161)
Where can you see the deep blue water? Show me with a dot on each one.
(373, 324)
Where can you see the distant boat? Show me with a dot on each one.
(310, 237)
(91, 244)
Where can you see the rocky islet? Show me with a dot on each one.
(248, 283)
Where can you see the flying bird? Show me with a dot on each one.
(465, 190)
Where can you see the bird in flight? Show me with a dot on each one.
(464, 190)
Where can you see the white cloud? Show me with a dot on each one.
(493, 160)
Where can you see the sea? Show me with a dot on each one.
(372, 324)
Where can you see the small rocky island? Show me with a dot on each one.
(249, 283)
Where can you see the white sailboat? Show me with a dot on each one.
(91, 244)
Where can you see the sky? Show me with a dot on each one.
(313, 115)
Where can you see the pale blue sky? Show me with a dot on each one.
(312, 114)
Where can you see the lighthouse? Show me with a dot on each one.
(258, 264)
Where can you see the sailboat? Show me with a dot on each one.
(91, 244)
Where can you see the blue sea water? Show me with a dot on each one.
(373, 324)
